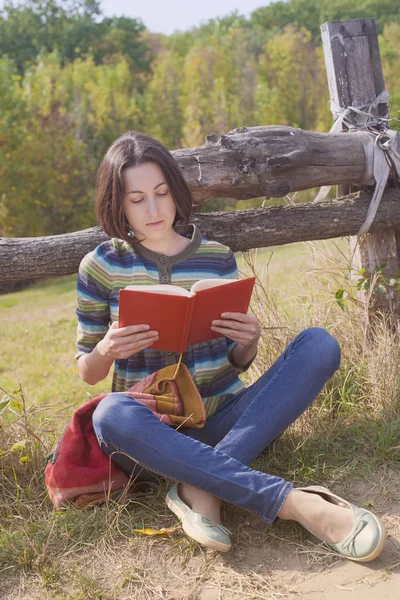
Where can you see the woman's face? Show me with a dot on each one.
(148, 204)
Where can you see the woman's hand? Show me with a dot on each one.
(241, 328)
(124, 341)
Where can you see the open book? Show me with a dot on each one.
(182, 317)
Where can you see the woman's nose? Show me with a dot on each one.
(152, 206)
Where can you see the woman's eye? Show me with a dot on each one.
(162, 193)
(137, 201)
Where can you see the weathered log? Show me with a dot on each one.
(269, 161)
(35, 258)
(26, 259)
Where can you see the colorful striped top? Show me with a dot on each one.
(115, 264)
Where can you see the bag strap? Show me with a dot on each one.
(178, 365)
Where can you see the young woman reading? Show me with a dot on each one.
(144, 205)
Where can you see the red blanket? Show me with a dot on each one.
(80, 473)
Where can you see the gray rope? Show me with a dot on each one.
(379, 144)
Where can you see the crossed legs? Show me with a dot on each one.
(215, 460)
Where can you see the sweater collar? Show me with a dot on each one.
(195, 241)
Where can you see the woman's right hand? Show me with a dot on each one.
(122, 342)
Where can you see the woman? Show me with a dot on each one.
(144, 205)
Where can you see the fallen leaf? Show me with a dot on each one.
(150, 531)
(369, 503)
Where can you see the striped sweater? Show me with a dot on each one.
(115, 264)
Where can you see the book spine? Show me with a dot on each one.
(187, 322)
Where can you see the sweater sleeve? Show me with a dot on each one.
(230, 271)
(93, 289)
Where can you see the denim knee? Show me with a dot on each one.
(109, 415)
(323, 346)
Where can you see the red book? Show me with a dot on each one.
(183, 318)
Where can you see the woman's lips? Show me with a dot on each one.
(156, 224)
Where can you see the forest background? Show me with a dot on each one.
(72, 80)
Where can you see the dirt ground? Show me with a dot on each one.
(284, 562)
(309, 572)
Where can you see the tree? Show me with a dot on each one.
(104, 100)
(43, 187)
(291, 81)
(389, 44)
(312, 13)
(72, 28)
(54, 130)
(164, 118)
(218, 85)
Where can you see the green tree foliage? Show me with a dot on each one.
(103, 100)
(218, 85)
(164, 116)
(389, 44)
(312, 13)
(72, 28)
(43, 187)
(120, 36)
(72, 81)
(292, 87)
(67, 117)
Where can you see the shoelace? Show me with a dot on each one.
(214, 525)
(350, 543)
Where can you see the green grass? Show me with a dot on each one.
(37, 337)
(351, 431)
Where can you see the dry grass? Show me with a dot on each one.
(349, 438)
(355, 422)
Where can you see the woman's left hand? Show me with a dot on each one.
(241, 328)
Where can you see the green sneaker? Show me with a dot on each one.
(367, 537)
(202, 530)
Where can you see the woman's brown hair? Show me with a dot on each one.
(130, 150)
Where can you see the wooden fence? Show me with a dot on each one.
(272, 162)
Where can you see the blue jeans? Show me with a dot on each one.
(216, 458)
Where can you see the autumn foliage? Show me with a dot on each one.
(78, 80)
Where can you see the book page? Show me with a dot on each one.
(210, 303)
(205, 284)
(171, 290)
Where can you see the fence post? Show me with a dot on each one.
(355, 78)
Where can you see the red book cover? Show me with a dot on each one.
(183, 320)
(212, 302)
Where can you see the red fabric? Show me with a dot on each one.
(78, 466)
(79, 472)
